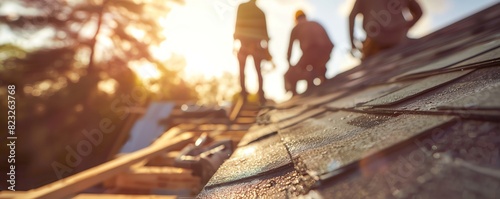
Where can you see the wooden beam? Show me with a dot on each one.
(121, 196)
(83, 180)
(169, 178)
(199, 121)
(209, 128)
(10, 194)
(249, 113)
(245, 120)
(167, 159)
(236, 109)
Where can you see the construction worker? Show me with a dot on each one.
(251, 32)
(384, 23)
(316, 48)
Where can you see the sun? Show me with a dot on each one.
(202, 37)
(146, 71)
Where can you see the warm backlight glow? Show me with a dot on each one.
(204, 38)
(146, 72)
(202, 32)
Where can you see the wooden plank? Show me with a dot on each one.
(235, 130)
(212, 127)
(236, 109)
(200, 120)
(166, 159)
(169, 178)
(83, 180)
(240, 127)
(245, 120)
(222, 133)
(249, 113)
(229, 135)
(209, 128)
(10, 194)
(129, 191)
(121, 196)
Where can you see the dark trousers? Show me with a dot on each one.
(311, 65)
(371, 47)
(251, 48)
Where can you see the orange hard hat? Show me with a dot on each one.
(299, 13)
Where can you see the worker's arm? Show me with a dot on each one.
(352, 17)
(264, 26)
(416, 12)
(238, 23)
(290, 45)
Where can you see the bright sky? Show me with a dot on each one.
(202, 31)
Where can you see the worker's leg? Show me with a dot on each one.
(304, 68)
(320, 66)
(370, 48)
(320, 73)
(258, 61)
(291, 81)
(242, 58)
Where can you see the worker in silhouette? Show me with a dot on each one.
(316, 48)
(384, 22)
(251, 32)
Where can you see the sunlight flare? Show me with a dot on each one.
(146, 71)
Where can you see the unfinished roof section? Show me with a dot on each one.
(418, 121)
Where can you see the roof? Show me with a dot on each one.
(418, 121)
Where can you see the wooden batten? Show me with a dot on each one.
(154, 178)
(166, 159)
(236, 110)
(173, 139)
(149, 170)
(121, 196)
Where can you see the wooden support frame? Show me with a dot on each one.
(128, 171)
(122, 196)
(236, 110)
(169, 178)
(72, 185)
(167, 159)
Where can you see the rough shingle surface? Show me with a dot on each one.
(417, 121)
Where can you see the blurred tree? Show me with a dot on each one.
(70, 62)
(212, 91)
(180, 90)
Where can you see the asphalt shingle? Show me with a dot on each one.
(252, 160)
(417, 88)
(454, 59)
(457, 161)
(366, 95)
(416, 121)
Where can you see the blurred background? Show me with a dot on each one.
(75, 62)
